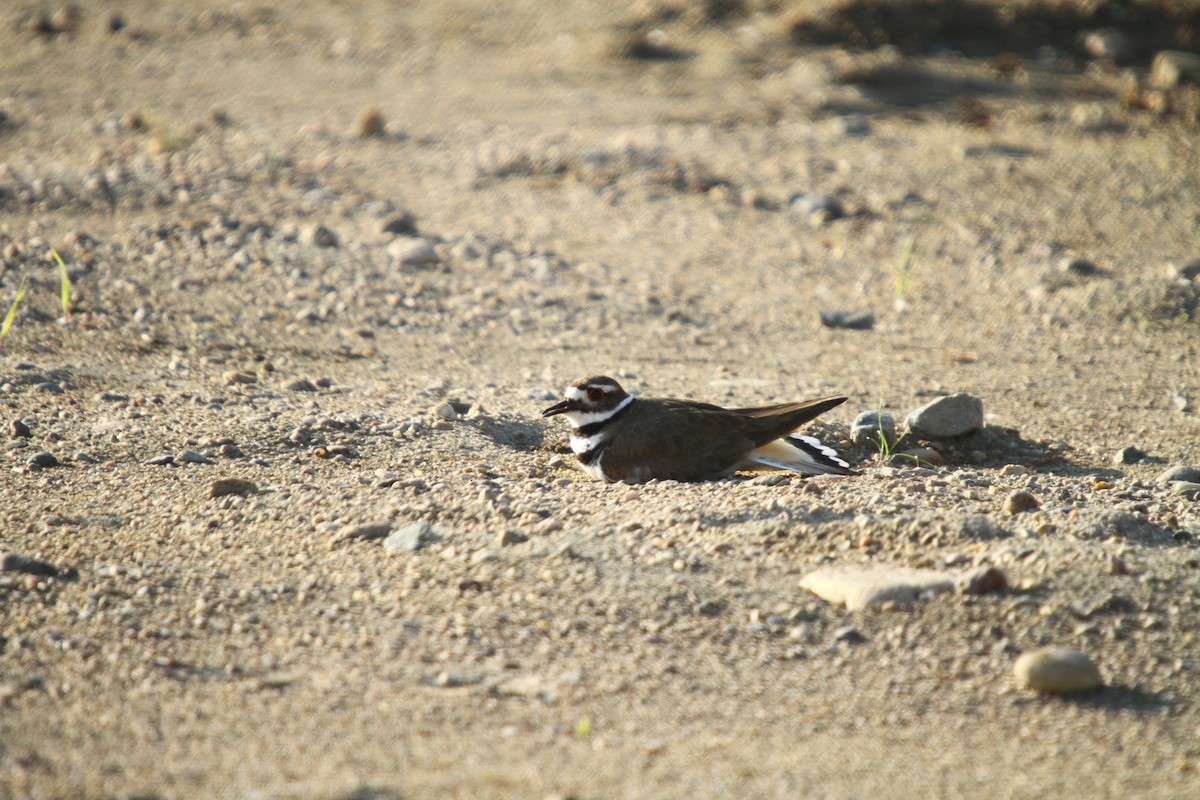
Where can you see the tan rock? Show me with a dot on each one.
(1058, 670)
(859, 587)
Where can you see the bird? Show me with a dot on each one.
(617, 438)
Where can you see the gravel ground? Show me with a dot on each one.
(282, 520)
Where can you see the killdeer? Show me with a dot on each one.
(618, 438)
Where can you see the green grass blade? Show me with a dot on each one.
(66, 292)
(11, 316)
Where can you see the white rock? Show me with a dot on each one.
(859, 587)
(410, 252)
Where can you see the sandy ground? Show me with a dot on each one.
(579, 188)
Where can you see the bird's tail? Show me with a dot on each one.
(798, 453)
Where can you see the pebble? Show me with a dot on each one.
(41, 460)
(866, 427)
(235, 377)
(1010, 470)
(19, 430)
(15, 562)
(301, 385)
(848, 634)
(366, 531)
(1128, 455)
(507, 538)
(1107, 44)
(848, 320)
(945, 417)
(445, 410)
(981, 580)
(1181, 403)
(369, 123)
(410, 538)
(318, 236)
(193, 457)
(411, 252)
(816, 208)
(227, 486)
(1180, 473)
(50, 387)
(917, 456)
(1021, 501)
(1188, 489)
(1173, 67)
(1058, 670)
(859, 587)
(1187, 272)
(166, 459)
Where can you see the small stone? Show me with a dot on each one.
(412, 252)
(1058, 670)
(49, 387)
(1181, 403)
(231, 451)
(1180, 473)
(917, 457)
(816, 208)
(866, 427)
(858, 587)
(1128, 455)
(1080, 267)
(235, 377)
(301, 385)
(15, 562)
(410, 538)
(365, 531)
(369, 123)
(848, 634)
(66, 19)
(227, 486)
(1186, 272)
(318, 236)
(403, 224)
(1011, 470)
(1107, 44)
(947, 417)
(19, 430)
(981, 580)
(193, 457)
(445, 410)
(849, 320)
(41, 460)
(1188, 489)
(1173, 67)
(508, 538)
(166, 459)
(770, 479)
(1021, 501)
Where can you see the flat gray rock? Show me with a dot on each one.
(858, 587)
(1182, 473)
(945, 417)
(410, 538)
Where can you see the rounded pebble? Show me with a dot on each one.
(42, 460)
(1021, 501)
(1058, 670)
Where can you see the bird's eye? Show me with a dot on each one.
(595, 395)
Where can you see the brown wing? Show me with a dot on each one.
(711, 442)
